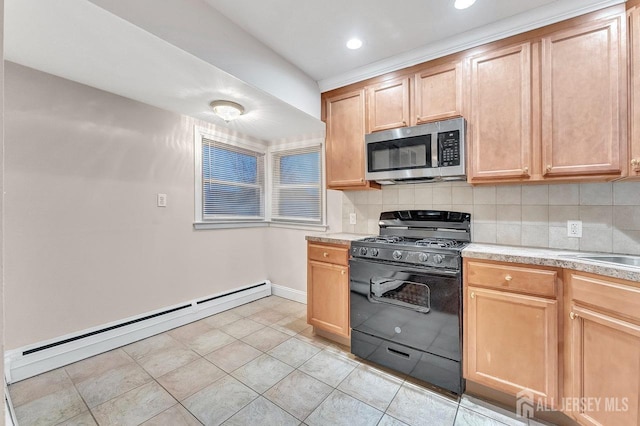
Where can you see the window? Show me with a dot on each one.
(232, 182)
(297, 185)
(241, 183)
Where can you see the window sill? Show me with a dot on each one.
(235, 225)
(301, 226)
(228, 225)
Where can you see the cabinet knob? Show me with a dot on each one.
(572, 315)
(508, 278)
(634, 162)
(473, 295)
(404, 123)
(525, 170)
(343, 272)
(325, 254)
(548, 167)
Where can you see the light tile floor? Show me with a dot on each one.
(257, 364)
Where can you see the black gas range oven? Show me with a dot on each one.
(406, 295)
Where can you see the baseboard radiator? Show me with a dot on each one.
(38, 358)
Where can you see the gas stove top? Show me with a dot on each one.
(424, 242)
(430, 238)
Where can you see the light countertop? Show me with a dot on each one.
(550, 257)
(515, 254)
(336, 238)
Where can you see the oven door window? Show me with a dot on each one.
(407, 294)
(400, 154)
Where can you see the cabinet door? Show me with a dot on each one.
(511, 342)
(388, 105)
(345, 140)
(328, 297)
(606, 368)
(438, 93)
(634, 79)
(500, 114)
(583, 100)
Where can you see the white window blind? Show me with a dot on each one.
(297, 185)
(232, 182)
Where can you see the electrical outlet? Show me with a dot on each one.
(574, 228)
(162, 200)
(353, 219)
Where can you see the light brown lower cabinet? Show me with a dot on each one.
(510, 330)
(328, 288)
(603, 326)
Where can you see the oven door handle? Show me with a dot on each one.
(408, 268)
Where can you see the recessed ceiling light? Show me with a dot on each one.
(463, 4)
(354, 43)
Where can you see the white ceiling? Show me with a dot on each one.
(273, 56)
(80, 41)
(312, 34)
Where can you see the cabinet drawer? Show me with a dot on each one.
(605, 293)
(330, 254)
(539, 282)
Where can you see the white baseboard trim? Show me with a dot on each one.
(289, 293)
(19, 366)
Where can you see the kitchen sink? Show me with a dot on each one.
(622, 260)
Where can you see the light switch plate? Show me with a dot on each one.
(162, 200)
(352, 219)
(574, 228)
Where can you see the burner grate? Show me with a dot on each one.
(438, 242)
(384, 239)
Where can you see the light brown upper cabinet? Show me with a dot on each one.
(437, 93)
(388, 105)
(549, 105)
(432, 93)
(344, 116)
(583, 75)
(634, 93)
(553, 107)
(499, 124)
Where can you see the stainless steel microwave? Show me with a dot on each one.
(433, 151)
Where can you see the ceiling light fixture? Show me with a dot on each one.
(227, 110)
(354, 43)
(463, 4)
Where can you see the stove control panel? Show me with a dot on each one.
(412, 257)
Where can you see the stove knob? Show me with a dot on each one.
(437, 258)
(363, 251)
(397, 254)
(374, 252)
(423, 257)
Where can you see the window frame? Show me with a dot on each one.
(224, 138)
(262, 148)
(292, 147)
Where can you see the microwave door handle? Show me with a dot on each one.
(434, 149)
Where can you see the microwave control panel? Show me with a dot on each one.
(449, 148)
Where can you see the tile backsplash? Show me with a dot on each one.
(522, 215)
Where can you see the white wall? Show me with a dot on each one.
(286, 249)
(85, 244)
(2, 345)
